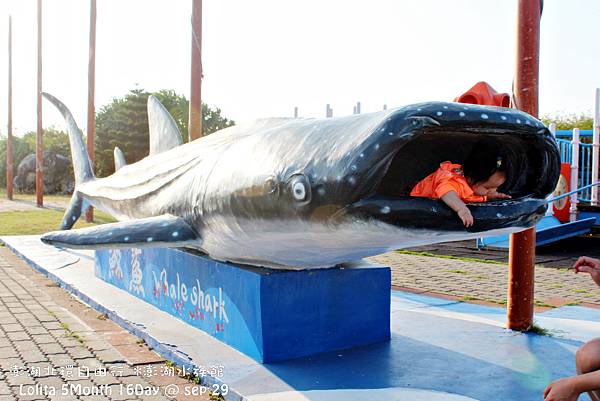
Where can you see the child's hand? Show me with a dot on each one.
(465, 215)
(498, 195)
(588, 265)
(561, 390)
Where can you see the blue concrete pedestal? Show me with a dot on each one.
(269, 315)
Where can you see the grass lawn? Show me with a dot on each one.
(40, 221)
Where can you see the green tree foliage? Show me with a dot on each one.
(54, 140)
(569, 121)
(124, 123)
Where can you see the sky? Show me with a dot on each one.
(262, 58)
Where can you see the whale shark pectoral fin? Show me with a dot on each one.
(161, 231)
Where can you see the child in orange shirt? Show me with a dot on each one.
(477, 180)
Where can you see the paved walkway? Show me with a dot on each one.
(23, 205)
(53, 347)
(477, 281)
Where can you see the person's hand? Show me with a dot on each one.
(561, 390)
(465, 215)
(498, 195)
(588, 265)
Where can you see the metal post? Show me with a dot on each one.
(357, 107)
(9, 139)
(195, 117)
(91, 111)
(522, 245)
(595, 147)
(39, 147)
(550, 209)
(574, 174)
(296, 112)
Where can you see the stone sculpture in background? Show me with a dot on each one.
(58, 176)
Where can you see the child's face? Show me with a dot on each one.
(489, 186)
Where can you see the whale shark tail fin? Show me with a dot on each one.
(72, 212)
(82, 165)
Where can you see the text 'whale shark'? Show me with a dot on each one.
(308, 193)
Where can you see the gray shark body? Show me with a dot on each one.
(306, 193)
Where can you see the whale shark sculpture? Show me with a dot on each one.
(308, 193)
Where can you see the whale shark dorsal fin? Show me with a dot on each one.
(164, 134)
(165, 231)
(119, 158)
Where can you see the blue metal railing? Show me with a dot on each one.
(565, 147)
(566, 150)
(567, 133)
(585, 171)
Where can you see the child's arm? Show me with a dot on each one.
(569, 388)
(451, 199)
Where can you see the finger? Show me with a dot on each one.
(587, 261)
(586, 269)
(581, 261)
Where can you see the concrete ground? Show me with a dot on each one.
(54, 347)
(22, 205)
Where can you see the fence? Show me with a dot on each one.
(584, 176)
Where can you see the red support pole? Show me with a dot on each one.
(522, 245)
(39, 147)
(9, 139)
(91, 111)
(195, 118)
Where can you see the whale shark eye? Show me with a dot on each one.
(299, 191)
(300, 188)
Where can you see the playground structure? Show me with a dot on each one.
(580, 212)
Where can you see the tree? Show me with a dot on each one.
(124, 123)
(569, 121)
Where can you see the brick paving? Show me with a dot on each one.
(53, 347)
(478, 281)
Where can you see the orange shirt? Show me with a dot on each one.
(449, 177)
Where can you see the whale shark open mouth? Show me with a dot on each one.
(532, 172)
